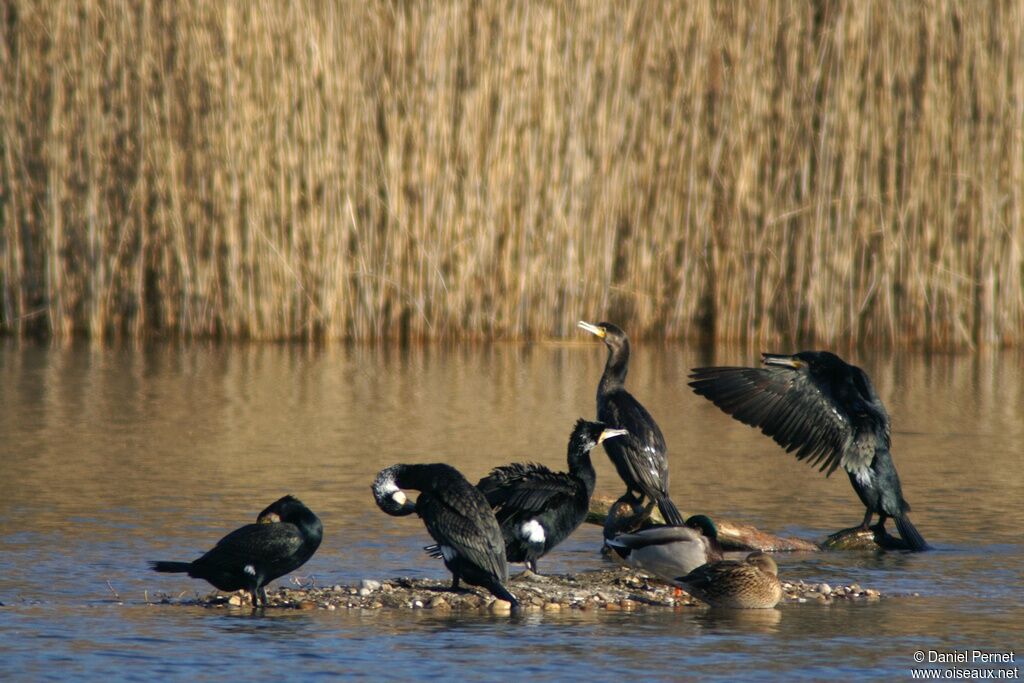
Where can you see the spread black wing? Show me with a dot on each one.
(787, 406)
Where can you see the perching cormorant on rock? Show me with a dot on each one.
(639, 457)
(285, 536)
(826, 410)
(456, 515)
(537, 508)
(669, 552)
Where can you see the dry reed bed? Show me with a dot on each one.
(773, 171)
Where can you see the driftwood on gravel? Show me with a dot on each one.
(739, 536)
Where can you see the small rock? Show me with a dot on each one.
(825, 588)
(235, 600)
(552, 607)
(628, 605)
(801, 599)
(306, 604)
(417, 604)
(501, 606)
(364, 592)
(613, 607)
(439, 603)
(369, 585)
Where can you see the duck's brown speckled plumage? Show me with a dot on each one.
(740, 584)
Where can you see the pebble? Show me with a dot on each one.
(616, 590)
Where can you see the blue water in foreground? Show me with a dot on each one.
(114, 457)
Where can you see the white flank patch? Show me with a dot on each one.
(249, 569)
(448, 553)
(863, 476)
(532, 531)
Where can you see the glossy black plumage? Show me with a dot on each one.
(639, 457)
(456, 515)
(285, 536)
(537, 508)
(827, 413)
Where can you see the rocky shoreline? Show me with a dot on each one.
(618, 589)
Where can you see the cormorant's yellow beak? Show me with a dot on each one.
(779, 359)
(609, 433)
(592, 329)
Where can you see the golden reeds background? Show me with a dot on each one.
(761, 171)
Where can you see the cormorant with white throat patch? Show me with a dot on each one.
(456, 515)
(638, 457)
(826, 410)
(537, 508)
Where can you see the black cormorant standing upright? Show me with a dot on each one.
(640, 456)
(537, 508)
(826, 410)
(456, 515)
(286, 534)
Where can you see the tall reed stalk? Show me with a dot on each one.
(761, 171)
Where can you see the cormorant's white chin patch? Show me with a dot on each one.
(249, 569)
(532, 531)
(399, 497)
(448, 553)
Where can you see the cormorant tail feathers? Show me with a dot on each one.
(910, 535)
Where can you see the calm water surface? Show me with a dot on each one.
(117, 456)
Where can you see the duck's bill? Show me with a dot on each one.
(592, 329)
(610, 433)
(780, 359)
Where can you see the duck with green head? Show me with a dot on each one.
(669, 552)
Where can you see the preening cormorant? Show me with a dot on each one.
(638, 457)
(456, 515)
(285, 536)
(826, 410)
(537, 508)
(669, 552)
(751, 583)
